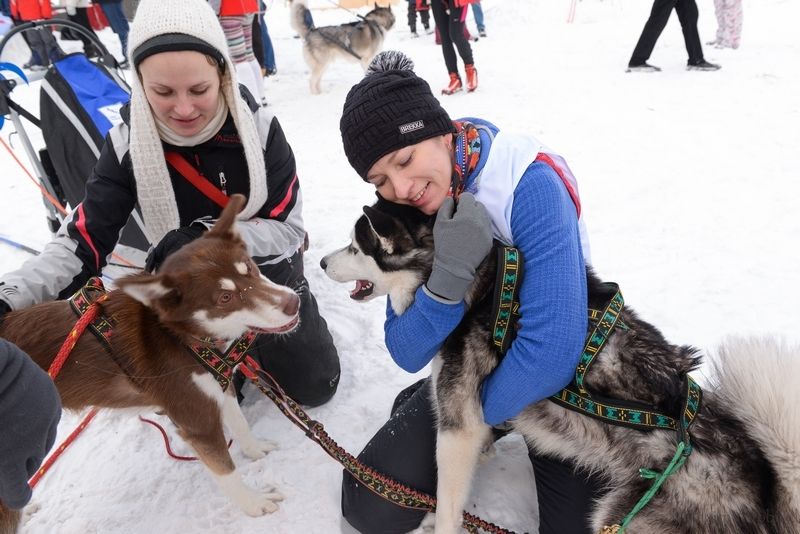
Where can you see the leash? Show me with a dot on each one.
(53, 371)
(338, 5)
(167, 446)
(61, 448)
(382, 485)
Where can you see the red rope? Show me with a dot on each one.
(55, 368)
(170, 452)
(69, 343)
(66, 443)
(166, 441)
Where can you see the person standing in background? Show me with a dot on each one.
(477, 12)
(236, 18)
(44, 47)
(729, 23)
(112, 9)
(449, 16)
(659, 15)
(421, 7)
(77, 12)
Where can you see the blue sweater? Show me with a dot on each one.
(553, 301)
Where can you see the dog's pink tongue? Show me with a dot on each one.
(362, 290)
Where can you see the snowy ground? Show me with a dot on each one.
(689, 186)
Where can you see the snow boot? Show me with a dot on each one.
(454, 86)
(472, 77)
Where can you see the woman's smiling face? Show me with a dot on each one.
(182, 89)
(417, 175)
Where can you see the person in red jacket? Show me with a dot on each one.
(449, 16)
(43, 45)
(236, 18)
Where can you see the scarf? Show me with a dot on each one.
(168, 135)
(466, 154)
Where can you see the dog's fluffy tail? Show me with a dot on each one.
(759, 379)
(299, 15)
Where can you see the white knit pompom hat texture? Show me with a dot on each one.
(154, 187)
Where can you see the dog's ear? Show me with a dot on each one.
(224, 225)
(148, 288)
(382, 224)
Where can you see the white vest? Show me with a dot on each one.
(510, 155)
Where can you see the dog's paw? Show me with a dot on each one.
(257, 504)
(258, 449)
(487, 453)
(274, 495)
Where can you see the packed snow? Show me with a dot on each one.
(689, 185)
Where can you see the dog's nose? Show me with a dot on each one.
(323, 264)
(290, 303)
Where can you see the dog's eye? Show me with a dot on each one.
(351, 249)
(225, 297)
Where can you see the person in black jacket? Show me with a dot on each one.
(659, 15)
(185, 102)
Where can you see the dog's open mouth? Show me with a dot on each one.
(288, 327)
(362, 290)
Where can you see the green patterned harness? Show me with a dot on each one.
(602, 324)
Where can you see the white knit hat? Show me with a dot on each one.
(194, 18)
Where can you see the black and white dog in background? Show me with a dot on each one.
(354, 41)
(743, 475)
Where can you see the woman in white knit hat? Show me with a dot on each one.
(186, 108)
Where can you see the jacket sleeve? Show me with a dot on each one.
(82, 244)
(553, 298)
(278, 231)
(414, 337)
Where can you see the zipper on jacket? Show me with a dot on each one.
(223, 182)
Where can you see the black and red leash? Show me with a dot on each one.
(380, 484)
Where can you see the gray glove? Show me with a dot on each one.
(462, 238)
(29, 412)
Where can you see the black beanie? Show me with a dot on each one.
(389, 109)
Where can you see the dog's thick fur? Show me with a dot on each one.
(743, 475)
(208, 288)
(324, 45)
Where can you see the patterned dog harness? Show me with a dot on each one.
(602, 324)
(220, 364)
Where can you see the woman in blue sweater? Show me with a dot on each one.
(482, 183)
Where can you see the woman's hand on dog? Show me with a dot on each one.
(172, 241)
(462, 237)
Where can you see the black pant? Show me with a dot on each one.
(659, 15)
(405, 449)
(305, 363)
(81, 17)
(424, 16)
(450, 23)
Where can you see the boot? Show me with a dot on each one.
(472, 77)
(454, 86)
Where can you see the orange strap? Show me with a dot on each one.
(53, 371)
(194, 177)
(73, 337)
(61, 448)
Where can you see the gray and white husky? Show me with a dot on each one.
(743, 475)
(355, 41)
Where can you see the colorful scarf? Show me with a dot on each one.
(466, 154)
